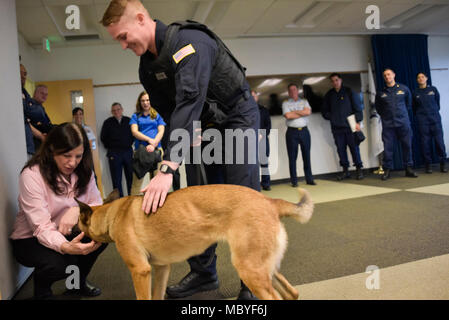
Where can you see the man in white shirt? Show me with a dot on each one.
(297, 112)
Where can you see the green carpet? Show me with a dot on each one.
(342, 238)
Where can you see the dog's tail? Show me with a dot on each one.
(302, 211)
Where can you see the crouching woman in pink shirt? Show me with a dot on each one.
(61, 170)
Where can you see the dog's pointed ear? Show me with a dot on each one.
(114, 195)
(85, 212)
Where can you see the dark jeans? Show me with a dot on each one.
(118, 161)
(245, 174)
(344, 138)
(404, 135)
(265, 175)
(50, 266)
(428, 133)
(295, 137)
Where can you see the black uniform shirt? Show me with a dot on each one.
(195, 52)
(116, 136)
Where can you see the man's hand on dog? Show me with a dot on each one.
(156, 191)
(76, 247)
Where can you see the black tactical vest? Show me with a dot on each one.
(226, 82)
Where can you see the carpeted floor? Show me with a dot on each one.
(355, 224)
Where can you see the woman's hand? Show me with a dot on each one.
(151, 141)
(150, 148)
(76, 247)
(68, 220)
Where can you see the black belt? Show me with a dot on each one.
(301, 128)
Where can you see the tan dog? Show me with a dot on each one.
(191, 220)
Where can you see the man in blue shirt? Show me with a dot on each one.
(26, 102)
(39, 121)
(339, 103)
(392, 104)
(426, 107)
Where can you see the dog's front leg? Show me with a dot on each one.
(140, 269)
(161, 274)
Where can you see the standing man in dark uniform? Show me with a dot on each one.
(392, 104)
(117, 139)
(339, 103)
(426, 107)
(40, 123)
(183, 66)
(26, 102)
(265, 124)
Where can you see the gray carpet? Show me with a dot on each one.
(343, 238)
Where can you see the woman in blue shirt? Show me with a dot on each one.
(147, 127)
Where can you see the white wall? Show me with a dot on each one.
(262, 56)
(111, 65)
(12, 144)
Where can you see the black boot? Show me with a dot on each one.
(386, 175)
(410, 173)
(344, 175)
(245, 293)
(443, 167)
(359, 173)
(193, 283)
(428, 168)
(87, 290)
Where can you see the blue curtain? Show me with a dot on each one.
(406, 54)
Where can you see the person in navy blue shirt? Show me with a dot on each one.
(147, 127)
(26, 102)
(393, 103)
(426, 107)
(117, 139)
(187, 70)
(339, 103)
(265, 124)
(40, 123)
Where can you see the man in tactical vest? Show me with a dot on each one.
(190, 75)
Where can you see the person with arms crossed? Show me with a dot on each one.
(296, 112)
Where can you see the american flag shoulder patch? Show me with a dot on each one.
(184, 52)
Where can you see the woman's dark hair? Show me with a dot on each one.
(61, 139)
(423, 73)
(75, 110)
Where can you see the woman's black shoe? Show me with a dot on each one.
(88, 290)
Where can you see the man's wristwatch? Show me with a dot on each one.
(166, 169)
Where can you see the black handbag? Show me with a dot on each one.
(144, 161)
(359, 137)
